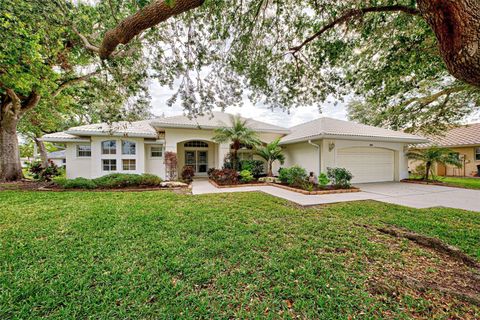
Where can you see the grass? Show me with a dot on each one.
(471, 183)
(151, 255)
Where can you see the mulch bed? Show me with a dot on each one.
(254, 184)
(29, 185)
(327, 190)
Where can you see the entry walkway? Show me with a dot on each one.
(405, 194)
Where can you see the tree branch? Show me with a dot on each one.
(350, 14)
(434, 97)
(31, 102)
(145, 18)
(70, 82)
(85, 41)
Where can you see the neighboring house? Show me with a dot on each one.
(58, 157)
(371, 154)
(464, 140)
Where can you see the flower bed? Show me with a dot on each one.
(317, 191)
(238, 184)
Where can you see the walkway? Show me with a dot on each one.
(405, 194)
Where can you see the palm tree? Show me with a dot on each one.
(435, 155)
(271, 152)
(238, 134)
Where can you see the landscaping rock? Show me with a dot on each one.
(173, 184)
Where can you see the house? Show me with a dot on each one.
(57, 157)
(371, 154)
(463, 140)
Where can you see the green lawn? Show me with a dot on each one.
(151, 255)
(472, 183)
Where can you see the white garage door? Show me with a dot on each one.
(367, 164)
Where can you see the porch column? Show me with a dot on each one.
(223, 150)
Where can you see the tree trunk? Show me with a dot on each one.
(456, 24)
(270, 170)
(43, 152)
(10, 168)
(427, 170)
(12, 108)
(234, 160)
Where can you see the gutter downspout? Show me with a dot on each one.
(318, 148)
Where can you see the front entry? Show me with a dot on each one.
(198, 159)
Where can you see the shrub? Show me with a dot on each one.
(269, 179)
(323, 180)
(294, 176)
(256, 167)
(43, 174)
(210, 172)
(77, 183)
(229, 160)
(224, 176)
(246, 176)
(171, 165)
(118, 180)
(187, 174)
(340, 177)
(115, 180)
(307, 185)
(150, 180)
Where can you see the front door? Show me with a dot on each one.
(197, 159)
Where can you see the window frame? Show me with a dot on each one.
(160, 151)
(111, 150)
(78, 146)
(196, 144)
(477, 153)
(110, 165)
(129, 164)
(130, 148)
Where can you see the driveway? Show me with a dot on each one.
(405, 194)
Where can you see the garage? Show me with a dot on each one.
(368, 164)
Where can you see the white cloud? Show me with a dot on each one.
(258, 112)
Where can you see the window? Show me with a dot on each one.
(128, 147)
(109, 164)
(109, 147)
(156, 151)
(477, 154)
(196, 144)
(128, 164)
(84, 150)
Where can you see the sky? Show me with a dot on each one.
(278, 117)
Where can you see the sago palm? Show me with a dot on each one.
(271, 152)
(238, 134)
(435, 155)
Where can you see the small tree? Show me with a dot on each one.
(238, 134)
(171, 165)
(271, 152)
(435, 155)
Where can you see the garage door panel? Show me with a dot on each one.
(367, 164)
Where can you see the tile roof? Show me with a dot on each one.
(56, 154)
(333, 128)
(213, 121)
(62, 136)
(132, 129)
(467, 135)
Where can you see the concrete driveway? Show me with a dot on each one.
(423, 196)
(405, 194)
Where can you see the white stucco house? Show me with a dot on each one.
(372, 154)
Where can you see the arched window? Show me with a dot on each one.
(196, 144)
(128, 147)
(109, 147)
